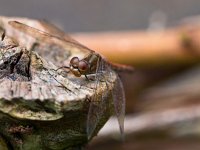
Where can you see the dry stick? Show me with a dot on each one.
(175, 45)
(155, 120)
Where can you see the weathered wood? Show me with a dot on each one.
(39, 107)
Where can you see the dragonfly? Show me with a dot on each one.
(92, 63)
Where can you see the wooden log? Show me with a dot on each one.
(40, 108)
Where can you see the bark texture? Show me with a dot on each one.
(39, 107)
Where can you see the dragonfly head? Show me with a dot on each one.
(79, 67)
(74, 62)
(83, 67)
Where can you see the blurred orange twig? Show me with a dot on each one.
(173, 45)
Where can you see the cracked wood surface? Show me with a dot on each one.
(33, 90)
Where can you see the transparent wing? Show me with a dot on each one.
(66, 42)
(98, 104)
(51, 28)
(56, 31)
(118, 97)
(119, 103)
(96, 112)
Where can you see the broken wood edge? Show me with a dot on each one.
(23, 120)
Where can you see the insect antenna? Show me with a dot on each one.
(67, 67)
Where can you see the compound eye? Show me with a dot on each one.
(74, 62)
(83, 66)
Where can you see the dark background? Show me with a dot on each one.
(100, 15)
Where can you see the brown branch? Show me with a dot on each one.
(174, 45)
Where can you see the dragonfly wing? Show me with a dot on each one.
(119, 103)
(99, 103)
(118, 96)
(66, 41)
(38, 34)
(97, 109)
(52, 29)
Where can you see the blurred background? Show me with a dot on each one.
(104, 15)
(161, 40)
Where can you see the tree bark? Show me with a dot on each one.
(40, 108)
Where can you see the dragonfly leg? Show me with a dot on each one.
(89, 79)
(64, 67)
(63, 72)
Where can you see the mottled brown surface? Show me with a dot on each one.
(41, 108)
